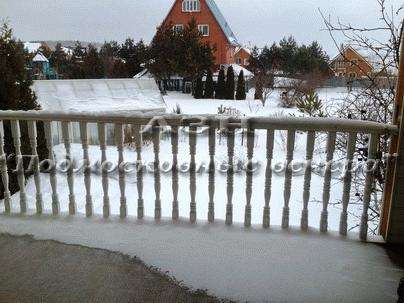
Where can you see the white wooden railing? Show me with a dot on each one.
(213, 123)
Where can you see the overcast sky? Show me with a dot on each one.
(256, 22)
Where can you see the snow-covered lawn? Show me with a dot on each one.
(192, 106)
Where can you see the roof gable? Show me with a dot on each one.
(243, 49)
(39, 57)
(362, 58)
(217, 15)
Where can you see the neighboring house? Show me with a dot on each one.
(243, 56)
(211, 24)
(68, 51)
(351, 64)
(41, 69)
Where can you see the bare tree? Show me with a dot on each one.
(375, 99)
(264, 86)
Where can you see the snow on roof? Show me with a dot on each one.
(39, 57)
(247, 50)
(144, 74)
(100, 95)
(67, 50)
(237, 69)
(32, 47)
(222, 22)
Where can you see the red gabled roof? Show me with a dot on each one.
(220, 19)
(356, 52)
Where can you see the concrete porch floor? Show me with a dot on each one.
(49, 271)
(233, 263)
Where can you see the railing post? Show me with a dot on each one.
(249, 179)
(370, 167)
(139, 171)
(32, 131)
(157, 181)
(343, 225)
(192, 173)
(52, 169)
(87, 168)
(327, 181)
(211, 189)
(288, 177)
(174, 148)
(69, 161)
(266, 222)
(121, 169)
(304, 222)
(106, 209)
(4, 172)
(15, 130)
(230, 176)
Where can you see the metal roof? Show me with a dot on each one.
(222, 22)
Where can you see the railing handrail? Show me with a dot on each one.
(277, 123)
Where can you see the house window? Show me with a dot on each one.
(246, 61)
(238, 61)
(340, 64)
(204, 29)
(191, 6)
(178, 28)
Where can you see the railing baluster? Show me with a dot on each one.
(174, 147)
(230, 176)
(304, 224)
(268, 177)
(343, 226)
(157, 181)
(139, 171)
(327, 181)
(211, 189)
(370, 165)
(87, 168)
(192, 173)
(4, 172)
(32, 132)
(288, 177)
(249, 179)
(122, 183)
(106, 209)
(69, 161)
(52, 168)
(15, 129)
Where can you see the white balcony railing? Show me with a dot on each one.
(210, 123)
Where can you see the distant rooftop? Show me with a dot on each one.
(32, 47)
